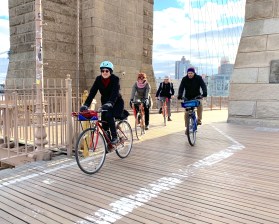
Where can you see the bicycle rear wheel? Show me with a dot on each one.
(125, 136)
(191, 131)
(90, 151)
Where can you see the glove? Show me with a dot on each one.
(131, 103)
(204, 95)
(83, 108)
(107, 106)
(146, 102)
(179, 97)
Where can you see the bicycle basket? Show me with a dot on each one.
(190, 103)
(87, 115)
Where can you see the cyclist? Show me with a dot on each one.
(164, 91)
(141, 91)
(108, 85)
(191, 85)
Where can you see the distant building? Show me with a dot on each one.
(218, 84)
(181, 68)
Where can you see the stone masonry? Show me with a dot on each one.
(117, 30)
(254, 88)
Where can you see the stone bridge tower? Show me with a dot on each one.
(117, 30)
(254, 93)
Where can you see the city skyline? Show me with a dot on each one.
(202, 31)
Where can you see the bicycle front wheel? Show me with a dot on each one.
(191, 131)
(90, 151)
(138, 126)
(125, 136)
(165, 113)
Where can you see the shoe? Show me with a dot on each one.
(160, 110)
(169, 119)
(199, 122)
(114, 141)
(146, 127)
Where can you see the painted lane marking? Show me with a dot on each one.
(126, 205)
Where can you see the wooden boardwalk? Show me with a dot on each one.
(230, 176)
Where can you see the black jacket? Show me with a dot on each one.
(192, 87)
(165, 90)
(108, 94)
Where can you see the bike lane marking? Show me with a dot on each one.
(126, 205)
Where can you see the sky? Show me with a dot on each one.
(203, 31)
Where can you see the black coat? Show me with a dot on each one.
(111, 94)
(165, 90)
(192, 87)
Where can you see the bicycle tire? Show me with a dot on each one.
(165, 115)
(138, 127)
(90, 156)
(142, 124)
(191, 131)
(125, 136)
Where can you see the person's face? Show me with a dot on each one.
(190, 75)
(166, 80)
(141, 79)
(105, 73)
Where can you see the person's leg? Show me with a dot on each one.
(160, 105)
(186, 114)
(108, 117)
(199, 112)
(146, 112)
(169, 109)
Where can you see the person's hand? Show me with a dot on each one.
(146, 102)
(179, 97)
(204, 95)
(83, 108)
(131, 103)
(107, 106)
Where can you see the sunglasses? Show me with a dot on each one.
(140, 77)
(105, 71)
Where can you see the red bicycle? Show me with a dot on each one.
(94, 142)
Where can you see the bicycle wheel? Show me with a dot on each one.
(191, 131)
(142, 124)
(138, 127)
(90, 151)
(125, 136)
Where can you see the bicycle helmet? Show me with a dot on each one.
(108, 65)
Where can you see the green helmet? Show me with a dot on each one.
(106, 64)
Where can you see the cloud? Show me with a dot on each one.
(202, 31)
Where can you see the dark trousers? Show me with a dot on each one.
(109, 123)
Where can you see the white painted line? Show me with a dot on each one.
(126, 205)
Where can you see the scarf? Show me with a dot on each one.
(106, 81)
(141, 85)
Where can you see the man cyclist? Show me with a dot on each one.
(165, 91)
(191, 85)
(108, 85)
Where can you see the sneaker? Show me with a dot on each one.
(160, 110)
(169, 119)
(114, 141)
(146, 127)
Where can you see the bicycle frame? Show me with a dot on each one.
(138, 112)
(165, 109)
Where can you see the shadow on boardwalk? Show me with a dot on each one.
(229, 176)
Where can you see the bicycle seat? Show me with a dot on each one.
(123, 116)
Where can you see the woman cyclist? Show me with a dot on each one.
(141, 91)
(112, 103)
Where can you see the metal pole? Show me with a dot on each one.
(40, 133)
(77, 57)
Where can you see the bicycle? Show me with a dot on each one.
(192, 124)
(138, 110)
(94, 142)
(165, 100)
